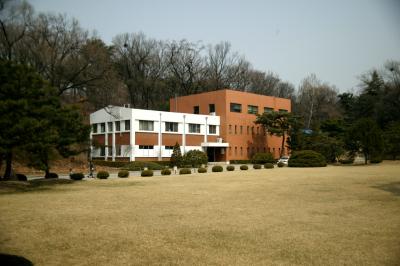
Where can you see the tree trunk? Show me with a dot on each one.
(47, 173)
(7, 173)
(366, 158)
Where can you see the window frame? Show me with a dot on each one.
(173, 124)
(196, 126)
(234, 107)
(196, 109)
(214, 131)
(252, 109)
(144, 125)
(127, 122)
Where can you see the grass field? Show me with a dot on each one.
(323, 216)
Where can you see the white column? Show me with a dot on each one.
(206, 131)
(160, 140)
(184, 135)
(106, 141)
(113, 142)
(132, 140)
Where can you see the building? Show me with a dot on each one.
(237, 111)
(221, 123)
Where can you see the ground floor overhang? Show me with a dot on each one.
(215, 144)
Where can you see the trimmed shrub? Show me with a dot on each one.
(307, 158)
(376, 159)
(77, 176)
(123, 173)
(138, 166)
(103, 175)
(194, 158)
(281, 164)
(244, 167)
(239, 161)
(147, 173)
(268, 166)
(117, 164)
(262, 158)
(217, 168)
(346, 161)
(51, 175)
(230, 168)
(185, 171)
(202, 170)
(257, 166)
(21, 177)
(165, 171)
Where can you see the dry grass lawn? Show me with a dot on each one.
(323, 216)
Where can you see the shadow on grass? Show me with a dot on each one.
(7, 187)
(393, 188)
(14, 260)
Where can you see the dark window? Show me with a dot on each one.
(196, 109)
(146, 125)
(127, 124)
(171, 126)
(211, 108)
(235, 129)
(110, 148)
(241, 129)
(236, 107)
(194, 128)
(241, 150)
(94, 128)
(169, 147)
(252, 109)
(146, 147)
(102, 151)
(283, 110)
(103, 127)
(110, 126)
(117, 126)
(212, 129)
(235, 150)
(118, 150)
(268, 109)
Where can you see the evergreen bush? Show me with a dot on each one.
(262, 158)
(244, 167)
(51, 175)
(103, 175)
(165, 171)
(202, 170)
(217, 168)
(281, 164)
(195, 158)
(307, 158)
(230, 168)
(123, 173)
(146, 173)
(268, 166)
(257, 166)
(176, 156)
(77, 176)
(185, 171)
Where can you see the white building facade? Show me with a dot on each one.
(120, 133)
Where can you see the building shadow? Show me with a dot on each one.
(14, 260)
(393, 188)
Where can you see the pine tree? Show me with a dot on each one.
(176, 157)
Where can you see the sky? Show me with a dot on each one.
(338, 40)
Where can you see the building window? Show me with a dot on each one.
(211, 108)
(252, 109)
(110, 126)
(146, 147)
(241, 129)
(102, 151)
(171, 127)
(235, 129)
(103, 127)
(236, 107)
(194, 128)
(169, 147)
(283, 110)
(235, 150)
(110, 148)
(196, 109)
(94, 128)
(241, 151)
(212, 129)
(268, 109)
(146, 125)
(127, 124)
(230, 129)
(118, 150)
(117, 126)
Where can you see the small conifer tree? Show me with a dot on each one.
(176, 157)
